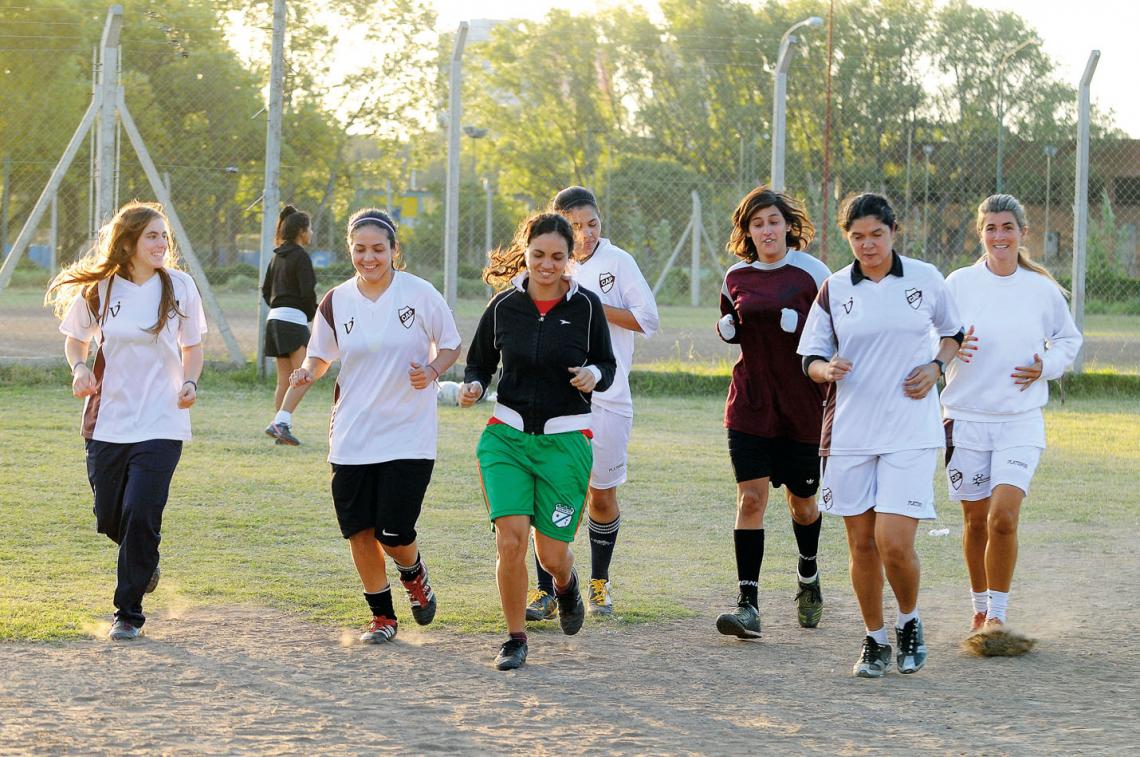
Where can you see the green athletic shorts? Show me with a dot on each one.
(544, 476)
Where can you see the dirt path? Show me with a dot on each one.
(212, 680)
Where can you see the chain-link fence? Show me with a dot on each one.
(669, 122)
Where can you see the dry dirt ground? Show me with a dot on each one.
(214, 680)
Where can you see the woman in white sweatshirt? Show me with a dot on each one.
(1019, 335)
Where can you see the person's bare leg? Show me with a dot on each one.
(866, 567)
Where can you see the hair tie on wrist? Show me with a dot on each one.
(191, 381)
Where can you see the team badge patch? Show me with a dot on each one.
(847, 306)
(348, 325)
(826, 499)
(114, 309)
(914, 298)
(562, 515)
(407, 316)
(606, 282)
(956, 478)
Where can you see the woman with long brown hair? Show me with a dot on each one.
(148, 321)
(551, 337)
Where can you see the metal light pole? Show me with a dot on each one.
(927, 151)
(1001, 105)
(271, 196)
(451, 208)
(1050, 153)
(1081, 209)
(779, 100)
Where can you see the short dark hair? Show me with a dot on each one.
(573, 197)
(800, 229)
(866, 204)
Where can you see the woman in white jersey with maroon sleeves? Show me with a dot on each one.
(147, 319)
(394, 335)
(1019, 335)
(868, 336)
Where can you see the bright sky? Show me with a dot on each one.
(1069, 32)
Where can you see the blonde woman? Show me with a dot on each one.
(148, 321)
(1019, 336)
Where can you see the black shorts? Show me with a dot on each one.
(385, 496)
(283, 338)
(786, 462)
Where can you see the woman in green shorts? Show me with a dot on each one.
(534, 455)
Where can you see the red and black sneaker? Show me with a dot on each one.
(421, 597)
(380, 630)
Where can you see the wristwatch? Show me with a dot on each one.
(941, 366)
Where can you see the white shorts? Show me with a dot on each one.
(611, 447)
(901, 483)
(984, 455)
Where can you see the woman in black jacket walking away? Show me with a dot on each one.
(288, 290)
(534, 455)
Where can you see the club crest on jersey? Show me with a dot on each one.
(606, 282)
(847, 306)
(914, 298)
(562, 515)
(114, 309)
(955, 478)
(348, 325)
(407, 316)
(826, 498)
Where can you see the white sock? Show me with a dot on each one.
(906, 617)
(283, 416)
(879, 636)
(999, 600)
(806, 580)
(981, 600)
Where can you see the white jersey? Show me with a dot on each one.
(613, 275)
(377, 416)
(1014, 317)
(884, 328)
(140, 374)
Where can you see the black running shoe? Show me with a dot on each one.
(810, 601)
(743, 622)
(912, 647)
(511, 655)
(874, 661)
(571, 609)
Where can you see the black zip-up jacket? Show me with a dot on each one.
(290, 281)
(536, 353)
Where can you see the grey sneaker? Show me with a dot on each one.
(874, 661)
(743, 622)
(124, 631)
(542, 606)
(912, 647)
(810, 601)
(152, 584)
(571, 609)
(283, 433)
(600, 601)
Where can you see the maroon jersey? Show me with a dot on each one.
(770, 396)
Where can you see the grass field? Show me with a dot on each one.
(252, 523)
